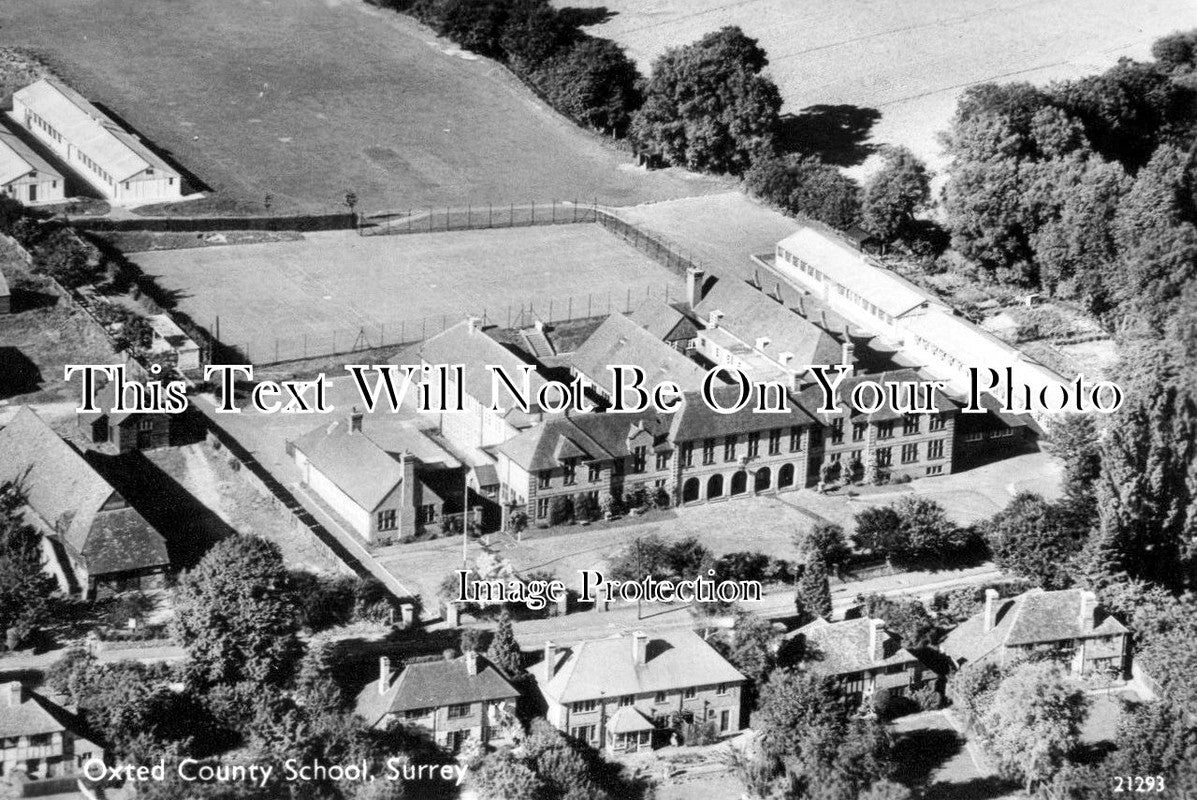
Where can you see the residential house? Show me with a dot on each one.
(124, 430)
(622, 693)
(42, 744)
(620, 341)
(1067, 624)
(376, 475)
(95, 542)
(25, 176)
(111, 159)
(168, 337)
(448, 699)
(862, 657)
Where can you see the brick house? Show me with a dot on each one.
(448, 699)
(94, 542)
(1067, 624)
(620, 693)
(125, 430)
(862, 657)
(40, 741)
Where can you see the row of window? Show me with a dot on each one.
(41, 123)
(998, 433)
(885, 455)
(454, 712)
(844, 291)
(388, 519)
(689, 693)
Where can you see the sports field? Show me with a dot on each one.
(907, 60)
(308, 99)
(339, 284)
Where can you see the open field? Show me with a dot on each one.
(859, 72)
(309, 99)
(338, 283)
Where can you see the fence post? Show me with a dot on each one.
(569, 310)
(430, 219)
(409, 220)
(533, 217)
(511, 221)
(553, 206)
(489, 214)
(305, 345)
(469, 216)
(276, 349)
(334, 343)
(550, 319)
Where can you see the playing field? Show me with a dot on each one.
(399, 288)
(908, 60)
(309, 99)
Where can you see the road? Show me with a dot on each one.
(532, 634)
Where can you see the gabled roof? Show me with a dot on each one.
(1033, 617)
(629, 719)
(847, 266)
(116, 150)
(467, 344)
(105, 399)
(353, 461)
(697, 420)
(620, 341)
(17, 160)
(435, 684)
(839, 648)
(750, 314)
(26, 713)
(588, 437)
(675, 660)
(74, 501)
(663, 320)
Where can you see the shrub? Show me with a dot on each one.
(561, 510)
(927, 698)
(586, 508)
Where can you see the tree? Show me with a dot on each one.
(315, 686)
(502, 776)
(593, 82)
(824, 541)
(237, 616)
(561, 510)
(1033, 722)
(532, 33)
(806, 186)
(476, 25)
(795, 709)
(908, 619)
(1036, 539)
(707, 106)
(26, 590)
(504, 650)
(1074, 441)
(913, 530)
(814, 590)
(1176, 52)
(894, 194)
(752, 646)
(1157, 738)
(971, 688)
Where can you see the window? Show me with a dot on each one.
(708, 451)
(937, 423)
(885, 430)
(426, 514)
(661, 697)
(582, 706)
(416, 713)
(935, 449)
(459, 711)
(729, 448)
(145, 424)
(721, 689)
(774, 441)
(689, 693)
(542, 508)
(639, 459)
(754, 444)
(910, 452)
(583, 733)
(663, 460)
(936, 470)
(627, 700)
(910, 424)
(570, 471)
(687, 454)
(1001, 433)
(386, 520)
(795, 439)
(837, 430)
(544, 478)
(974, 437)
(885, 456)
(816, 437)
(595, 473)
(859, 429)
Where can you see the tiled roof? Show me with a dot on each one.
(73, 500)
(697, 420)
(27, 713)
(589, 437)
(750, 314)
(105, 398)
(663, 320)
(1033, 617)
(434, 684)
(353, 461)
(620, 341)
(467, 344)
(811, 395)
(17, 160)
(629, 719)
(675, 660)
(116, 150)
(838, 648)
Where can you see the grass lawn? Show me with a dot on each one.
(309, 99)
(335, 284)
(859, 73)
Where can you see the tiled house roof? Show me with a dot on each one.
(664, 321)
(674, 660)
(434, 684)
(467, 344)
(811, 395)
(352, 461)
(588, 437)
(74, 501)
(839, 648)
(619, 340)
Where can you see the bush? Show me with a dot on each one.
(891, 706)
(927, 698)
(742, 566)
(586, 508)
(593, 83)
(561, 510)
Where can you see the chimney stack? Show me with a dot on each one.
(384, 674)
(785, 358)
(14, 694)
(475, 322)
(355, 420)
(471, 659)
(876, 640)
(713, 319)
(1088, 610)
(991, 609)
(848, 353)
(694, 280)
(639, 648)
(762, 342)
(550, 659)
